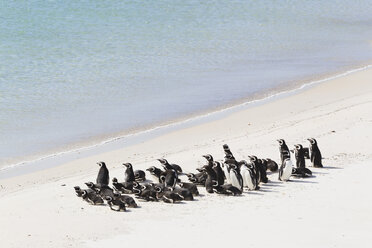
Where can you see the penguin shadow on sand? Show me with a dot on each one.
(302, 181)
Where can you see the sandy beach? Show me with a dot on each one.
(331, 209)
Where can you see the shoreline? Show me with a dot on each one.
(128, 138)
(336, 113)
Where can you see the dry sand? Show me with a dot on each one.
(331, 209)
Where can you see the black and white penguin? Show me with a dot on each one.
(190, 186)
(300, 156)
(129, 201)
(167, 196)
(226, 189)
(271, 165)
(219, 172)
(216, 167)
(235, 177)
(116, 203)
(184, 193)
(78, 191)
(91, 197)
(140, 175)
(105, 191)
(198, 178)
(248, 174)
(170, 178)
(147, 194)
(285, 170)
(229, 157)
(129, 173)
(315, 155)
(103, 177)
(283, 150)
(169, 166)
(211, 178)
(155, 173)
(123, 187)
(226, 171)
(93, 186)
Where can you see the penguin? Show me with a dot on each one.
(105, 191)
(103, 174)
(78, 191)
(219, 172)
(94, 187)
(300, 156)
(257, 170)
(140, 175)
(147, 194)
(235, 177)
(229, 157)
(301, 172)
(271, 165)
(248, 175)
(285, 170)
(170, 178)
(216, 167)
(226, 189)
(124, 187)
(190, 186)
(211, 179)
(261, 168)
(198, 178)
(129, 174)
(155, 173)
(167, 165)
(91, 197)
(167, 196)
(116, 204)
(185, 194)
(283, 150)
(129, 201)
(315, 155)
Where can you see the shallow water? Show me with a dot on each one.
(72, 71)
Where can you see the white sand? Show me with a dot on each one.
(331, 209)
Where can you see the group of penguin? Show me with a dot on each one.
(227, 177)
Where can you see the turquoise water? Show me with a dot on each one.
(72, 71)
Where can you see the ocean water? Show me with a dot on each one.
(76, 72)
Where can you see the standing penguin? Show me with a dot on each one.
(285, 170)
(315, 155)
(129, 174)
(283, 150)
(216, 167)
(300, 156)
(103, 177)
(219, 172)
(248, 175)
(211, 180)
(235, 177)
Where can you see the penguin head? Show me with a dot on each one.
(137, 191)
(116, 194)
(101, 164)
(226, 147)
(128, 165)
(89, 184)
(281, 142)
(158, 189)
(253, 158)
(136, 185)
(151, 169)
(208, 157)
(163, 161)
(233, 166)
(162, 178)
(77, 188)
(181, 184)
(216, 164)
(298, 147)
(312, 141)
(114, 180)
(229, 156)
(108, 198)
(84, 193)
